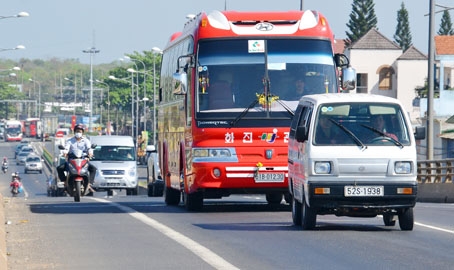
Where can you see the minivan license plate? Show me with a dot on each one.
(269, 178)
(363, 191)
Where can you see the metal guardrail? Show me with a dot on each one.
(435, 171)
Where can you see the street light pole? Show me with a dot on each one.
(144, 89)
(91, 51)
(159, 51)
(108, 105)
(39, 96)
(132, 101)
(430, 83)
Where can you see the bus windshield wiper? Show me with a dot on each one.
(243, 113)
(396, 142)
(287, 108)
(351, 134)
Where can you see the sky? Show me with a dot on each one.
(63, 29)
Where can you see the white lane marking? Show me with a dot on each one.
(434, 228)
(202, 252)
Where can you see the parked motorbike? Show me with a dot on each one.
(5, 167)
(77, 174)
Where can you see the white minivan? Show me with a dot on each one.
(352, 155)
(115, 160)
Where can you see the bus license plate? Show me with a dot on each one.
(269, 178)
(363, 191)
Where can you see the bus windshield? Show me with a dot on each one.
(13, 130)
(266, 76)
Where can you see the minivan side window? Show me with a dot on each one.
(302, 119)
(295, 121)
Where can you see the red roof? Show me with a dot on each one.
(339, 46)
(444, 45)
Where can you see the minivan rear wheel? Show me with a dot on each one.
(308, 216)
(296, 212)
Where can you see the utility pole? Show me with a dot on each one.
(91, 51)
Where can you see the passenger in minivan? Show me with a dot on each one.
(325, 133)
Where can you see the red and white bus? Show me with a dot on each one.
(13, 131)
(224, 116)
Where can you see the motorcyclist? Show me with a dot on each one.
(15, 183)
(5, 164)
(14, 176)
(77, 142)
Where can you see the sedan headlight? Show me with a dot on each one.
(402, 167)
(322, 167)
(132, 172)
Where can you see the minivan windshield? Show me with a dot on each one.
(361, 124)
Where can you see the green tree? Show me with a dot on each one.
(8, 92)
(403, 34)
(446, 25)
(362, 19)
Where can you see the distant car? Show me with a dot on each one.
(155, 182)
(21, 157)
(33, 163)
(27, 149)
(18, 149)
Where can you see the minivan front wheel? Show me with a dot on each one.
(406, 219)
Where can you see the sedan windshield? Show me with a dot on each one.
(113, 153)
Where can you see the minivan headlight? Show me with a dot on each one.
(402, 167)
(322, 167)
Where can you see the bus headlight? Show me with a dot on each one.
(322, 167)
(214, 152)
(402, 167)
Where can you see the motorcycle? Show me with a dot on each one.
(16, 187)
(77, 174)
(5, 167)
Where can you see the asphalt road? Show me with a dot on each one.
(239, 232)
